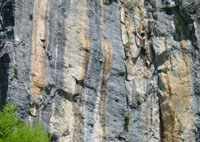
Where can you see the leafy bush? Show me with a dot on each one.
(14, 130)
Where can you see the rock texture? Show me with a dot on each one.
(76, 65)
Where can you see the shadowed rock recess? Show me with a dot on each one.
(73, 65)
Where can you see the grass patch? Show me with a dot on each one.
(31, 16)
(9, 41)
(15, 70)
(23, 54)
(27, 34)
(139, 101)
(141, 13)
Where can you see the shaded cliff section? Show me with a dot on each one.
(4, 64)
(6, 38)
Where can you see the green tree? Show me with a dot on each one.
(14, 130)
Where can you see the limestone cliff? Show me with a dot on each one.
(76, 65)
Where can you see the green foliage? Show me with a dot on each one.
(141, 13)
(27, 34)
(31, 16)
(13, 130)
(15, 70)
(23, 54)
(9, 40)
(139, 102)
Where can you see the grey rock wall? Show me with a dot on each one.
(76, 65)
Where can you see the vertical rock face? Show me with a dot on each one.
(77, 66)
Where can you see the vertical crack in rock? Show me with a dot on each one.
(161, 123)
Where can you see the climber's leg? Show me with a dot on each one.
(148, 61)
(147, 56)
(137, 53)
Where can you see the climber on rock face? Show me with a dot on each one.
(141, 37)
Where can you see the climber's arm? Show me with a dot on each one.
(138, 35)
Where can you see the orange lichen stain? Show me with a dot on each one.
(108, 59)
(186, 58)
(106, 72)
(85, 55)
(86, 43)
(176, 107)
(103, 10)
(168, 113)
(39, 47)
